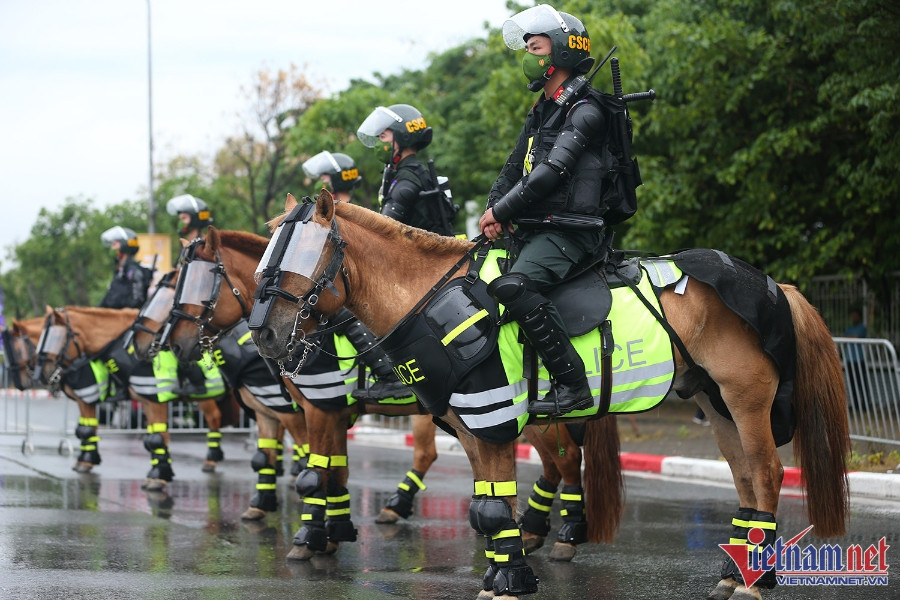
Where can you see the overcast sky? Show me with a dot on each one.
(74, 85)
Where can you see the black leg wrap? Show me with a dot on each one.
(89, 439)
(161, 466)
(312, 533)
(536, 518)
(266, 496)
(513, 577)
(766, 522)
(487, 582)
(574, 528)
(473, 515)
(300, 460)
(402, 501)
(214, 452)
(279, 460)
(339, 526)
(738, 536)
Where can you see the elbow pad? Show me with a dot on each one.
(398, 206)
(540, 182)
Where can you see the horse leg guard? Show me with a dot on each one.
(160, 461)
(536, 518)
(337, 510)
(513, 575)
(214, 447)
(266, 497)
(740, 526)
(574, 528)
(487, 582)
(279, 459)
(87, 433)
(312, 533)
(402, 501)
(301, 458)
(761, 533)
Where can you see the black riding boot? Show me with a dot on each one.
(570, 390)
(386, 383)
(192, 381)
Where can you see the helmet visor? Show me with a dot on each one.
(537, 19)
(302, 252)
(200, 282)
(114, 234)
(185, 203)
(159, 305)
(380, 119)
(53, 340)
(321, 164)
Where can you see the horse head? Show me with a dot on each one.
(19, 349)
(147, 327)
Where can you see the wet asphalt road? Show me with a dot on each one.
(99, 536)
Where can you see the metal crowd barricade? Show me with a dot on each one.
(126, 416)
(872, 375)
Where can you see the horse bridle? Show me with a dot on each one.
(203, 321)
(62, 361)
(16, 364)
(272, 275)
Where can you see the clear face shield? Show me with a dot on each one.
(303, 252)
(185, 203)
(379, 120)
(199, 282)
(537, 19)
(53, 340)
(114, 234)
(323, 163)
(160, 304)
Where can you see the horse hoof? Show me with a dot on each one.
(485, 595)
(209, 466)
(330, 548)
(723, 590)
(253, 514)
(154, 485)
(745, 593)
(83, 467)
(531, 542)
(387, 517)
(563, 552)
(300, 553)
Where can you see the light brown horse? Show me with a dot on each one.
(270, 422)
(387, 267)
(92, 330)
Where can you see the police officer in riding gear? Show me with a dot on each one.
(128, 288)
(549, 190)
(337, 171)
(397, 133)
(193, 214)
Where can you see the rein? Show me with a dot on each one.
(59, 364)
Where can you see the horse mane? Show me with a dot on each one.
(242, 241)
(96, 311)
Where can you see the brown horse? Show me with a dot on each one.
(380, 270)
(273, 413)
(90, 332)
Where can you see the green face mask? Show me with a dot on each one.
(535, 65)
(384, 151)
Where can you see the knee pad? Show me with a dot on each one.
(83, 432)
(259, 460)
(510, 287)
(154, 441)
(491, 515)
(308, 481)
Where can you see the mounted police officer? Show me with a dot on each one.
(128, 288)
(397, 133)
(338, 171)
(550, 190)
(193, 214)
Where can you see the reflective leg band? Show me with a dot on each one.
(157, 427)
(213, 438)
(413, 478)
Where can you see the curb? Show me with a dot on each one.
(870, 485)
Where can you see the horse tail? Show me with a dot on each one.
(604, 485)
(821, 441)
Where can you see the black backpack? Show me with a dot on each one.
(622, 173)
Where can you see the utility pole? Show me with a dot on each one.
(152, 225)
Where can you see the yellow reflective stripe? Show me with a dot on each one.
(306, 517)
(338, 460)
(538, 506)
(316, 501)
(157, 427)
(267, 443)
(489, 554)
(481, 488)
(88, 448)
(403, 486)
(454, 333)
(243, 339)
(416, 480)
(737, 541)
(574, 497)
(267, 471)
(501, 558)
(91, 422)
(212, 444)
(563, 512)
(94, 438)
(501, 488)
(213, 434)
(507, 533)
(544, 493)
(299, 450)
(305, 449)
(762, 524)
(159, 451)
(317, 460)
(740, 522)
(334, 512)
(336, 499)
(266, 486)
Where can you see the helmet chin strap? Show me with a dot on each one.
(538, 84)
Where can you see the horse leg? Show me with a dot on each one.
(295, 424)
(556, 445)
(400, 505)
(157, 444)
(87, 433)
(213, 416)
(535, 520)
(263, 460)
(322, 485)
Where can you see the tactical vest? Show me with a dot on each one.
(424, 212)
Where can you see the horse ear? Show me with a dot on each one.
(325, 205)
(48, 309)
(212, 239)
(289, 203)
(184, 242)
